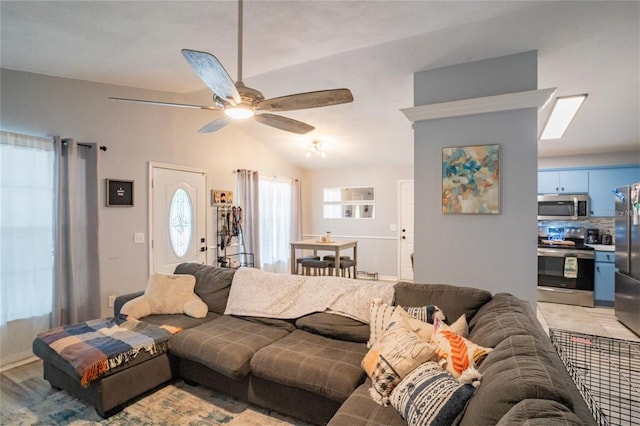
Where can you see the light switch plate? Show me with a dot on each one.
(138, 238)
(393, 227)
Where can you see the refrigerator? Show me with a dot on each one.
(627, 230)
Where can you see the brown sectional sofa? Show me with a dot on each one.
(309, 367)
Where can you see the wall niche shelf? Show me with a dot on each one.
(505, 102)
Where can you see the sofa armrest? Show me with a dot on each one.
(121, 300)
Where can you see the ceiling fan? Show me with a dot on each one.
(239, 101)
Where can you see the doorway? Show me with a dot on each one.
(405, 229)
(177, 217)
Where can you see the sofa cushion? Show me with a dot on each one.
(518, 368)
(430, 396)
(335, 326)
(287, 325)
(359, 409)
(225, 344)
(324, 366)
(178, 320)
(212, 284)
(541, 412)
(453, 300)
(505, 315)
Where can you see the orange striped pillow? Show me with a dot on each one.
(454, 352)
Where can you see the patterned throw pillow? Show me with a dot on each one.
(430, 396)
(393, 356)
(381, 313)
(456, 353)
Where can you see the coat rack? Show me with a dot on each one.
(228, 233)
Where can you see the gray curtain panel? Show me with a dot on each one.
(296, 214)
(76, 260)
(247, 189)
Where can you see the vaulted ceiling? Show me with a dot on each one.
(371, 47)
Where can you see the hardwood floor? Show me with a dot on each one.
(600, 321)
(24, 385)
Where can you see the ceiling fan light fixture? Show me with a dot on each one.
(315, 148)
(240, 112)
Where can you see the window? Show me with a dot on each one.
(180, 222)
(27, 193)
(276, 216)
(27, 202)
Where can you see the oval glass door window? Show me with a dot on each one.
(180, 222)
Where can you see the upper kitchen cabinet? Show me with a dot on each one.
(563, 182)
(603, 181)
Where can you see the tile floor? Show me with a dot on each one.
(600, 321)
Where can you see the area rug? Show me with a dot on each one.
(174, 404)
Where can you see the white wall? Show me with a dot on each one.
(493, 252)
(134, 134)
(377, 244)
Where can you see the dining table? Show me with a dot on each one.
(335, 246)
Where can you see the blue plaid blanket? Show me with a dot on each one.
(95, 347)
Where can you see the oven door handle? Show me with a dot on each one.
(565, 253)
(561, 290)
(575, 208)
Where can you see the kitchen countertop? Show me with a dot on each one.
(602, 247)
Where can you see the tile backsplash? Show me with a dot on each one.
(602, 224)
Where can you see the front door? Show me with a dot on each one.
(178, 217)
(405, 229)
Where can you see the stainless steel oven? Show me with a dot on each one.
(566, 269)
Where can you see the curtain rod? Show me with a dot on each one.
(275, 176)
(102, 147)
(85, 145)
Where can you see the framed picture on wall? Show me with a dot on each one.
(471, 179)
(221, 197)
(119, 193)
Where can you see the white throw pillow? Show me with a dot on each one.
(167, 294)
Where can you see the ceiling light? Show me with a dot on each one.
(564, 109)
(240, 111)
(315, 149)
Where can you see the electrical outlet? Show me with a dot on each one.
(112, 300)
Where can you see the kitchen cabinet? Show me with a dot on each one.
(563, 182)
(602, 181)
(604, 280)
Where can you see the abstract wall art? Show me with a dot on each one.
(471, 179)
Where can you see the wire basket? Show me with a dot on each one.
(236, 260)
(606, 372)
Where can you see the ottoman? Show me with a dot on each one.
(129, 373)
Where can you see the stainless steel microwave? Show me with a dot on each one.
(563, 207)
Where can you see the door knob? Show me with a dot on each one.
(404, 238)
(404, 230)
(203, 249)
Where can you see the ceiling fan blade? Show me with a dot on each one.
(171, 104)
(284, 123)
(211, 71)
(215, 125)
(306, 100)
